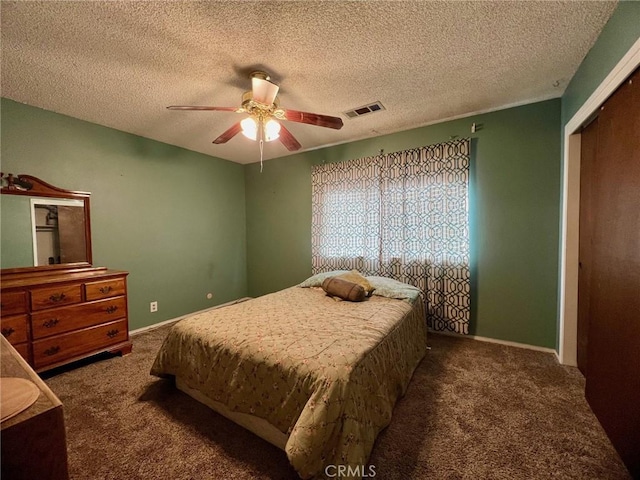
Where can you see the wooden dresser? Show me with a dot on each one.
(33, 441)
(53, 318)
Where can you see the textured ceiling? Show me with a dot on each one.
(120, 63)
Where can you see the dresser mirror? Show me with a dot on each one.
(42, 227)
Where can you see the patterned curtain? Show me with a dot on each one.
(403, 215)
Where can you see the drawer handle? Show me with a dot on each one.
(105, 290)
(57, 297)
(51, 323)
(112, 333)
(7, 331)
(111, 308)
(52, 351)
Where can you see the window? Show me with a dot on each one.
(402, 215)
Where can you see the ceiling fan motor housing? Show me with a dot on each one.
(247, 100)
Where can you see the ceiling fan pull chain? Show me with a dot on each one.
(261, 148)
(261, 137)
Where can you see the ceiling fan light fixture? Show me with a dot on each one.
(271, 130)
(249, 128)
(264, 91)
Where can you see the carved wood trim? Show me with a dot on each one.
(29, 185)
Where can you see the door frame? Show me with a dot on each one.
(568, 308)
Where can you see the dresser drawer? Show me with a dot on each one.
(60, 320)
(14, 328)
(55, 296)
(12, 303)
(73, 344)
(104, 289)
(23, 350)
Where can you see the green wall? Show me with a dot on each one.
(618, 35)
(173, 218)
(514, 212)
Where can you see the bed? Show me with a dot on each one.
(314, 376)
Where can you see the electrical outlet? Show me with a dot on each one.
(153, 307)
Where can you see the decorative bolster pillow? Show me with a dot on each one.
(343, 289)
(355, 277)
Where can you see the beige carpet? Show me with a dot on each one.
(473, 410)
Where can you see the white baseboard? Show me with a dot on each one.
(173, 320)
(501, 342)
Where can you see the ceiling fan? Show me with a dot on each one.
(262, 105)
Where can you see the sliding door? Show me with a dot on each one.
(609, 282)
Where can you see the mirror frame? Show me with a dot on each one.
(27, 185)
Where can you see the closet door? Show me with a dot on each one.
(613, 262)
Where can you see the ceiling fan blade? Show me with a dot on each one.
(313, 119)
(229, 134)
(263, 90)
(288, 140)
(199, 107)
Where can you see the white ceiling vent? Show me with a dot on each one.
(364, 110)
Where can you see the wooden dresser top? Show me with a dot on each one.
(30, 279)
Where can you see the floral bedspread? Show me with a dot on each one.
(325, 373)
